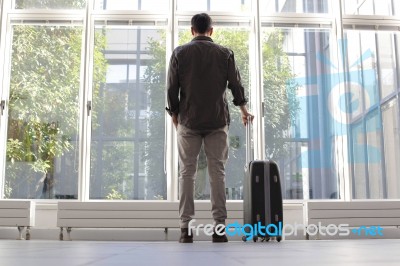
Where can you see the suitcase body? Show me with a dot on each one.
(262, 200)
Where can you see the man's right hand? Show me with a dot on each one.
(175, 120)
(246, 115)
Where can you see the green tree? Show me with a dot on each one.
(281, 104)
(154, 145)
(50, 4)
(43, 105)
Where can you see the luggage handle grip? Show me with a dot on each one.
(248, 141)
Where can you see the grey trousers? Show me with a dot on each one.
(216, 150)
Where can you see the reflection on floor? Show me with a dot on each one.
(204, 253)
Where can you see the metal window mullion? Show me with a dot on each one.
(352, 160)
(47, 16)
(171, 152)
(298, 20)
(397, 58)
(350, 139)
(257, 89)
(85, 99)
(371, 20)
(6, 49)
(136, 143)
(340, 49)
(364, 125)
(129, 20)
(381, 148)
(3, 118)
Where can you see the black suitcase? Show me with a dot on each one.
(262, 198)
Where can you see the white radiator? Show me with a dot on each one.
(20, 214)
(354, 213)
(138, 214)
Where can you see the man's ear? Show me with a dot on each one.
(211, 31)
(192, 30)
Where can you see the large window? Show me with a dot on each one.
(50, 4)
(83, 97)
(391, 131)
(42, 158)
(369, 7)
(293, 6)
(214, 5)
(153, 5)
(372, 65)
(300, 125)
(128, 123)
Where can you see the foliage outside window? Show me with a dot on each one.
(42, 146)
(50, 4)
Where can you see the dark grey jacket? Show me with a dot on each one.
(199, 73)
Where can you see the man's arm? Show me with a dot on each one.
(173, 89)
(235, 85)
(235, 82)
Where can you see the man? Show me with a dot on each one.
(198, 75)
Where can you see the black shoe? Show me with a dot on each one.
(185, 237)
(216, 238)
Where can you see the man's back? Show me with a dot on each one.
(203, 71)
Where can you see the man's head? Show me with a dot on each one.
(201, 25)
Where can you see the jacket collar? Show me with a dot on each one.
(202, 38)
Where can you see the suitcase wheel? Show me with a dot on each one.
(244, 238)
(279, 238)
(255, 238)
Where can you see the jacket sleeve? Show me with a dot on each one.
(235, 82)
(173, 86)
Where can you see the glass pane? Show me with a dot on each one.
(368, 62)
(50, 4)
(359, 162)
(214, 5)
(238, 41)
(300, 125)
(128, 120)
(193, 5)
(354, 74)
(396, 5)
(362, 87)
(294, 172)
(374, 154)
(293, 6)
(368, 7)
(391, 134)
(42, 137)
(387, 63)
(362, 75)
(150, 5)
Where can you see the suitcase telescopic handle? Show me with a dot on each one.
(248, 140)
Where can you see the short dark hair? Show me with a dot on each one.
(201, 23)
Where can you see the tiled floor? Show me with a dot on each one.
(295, 252)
